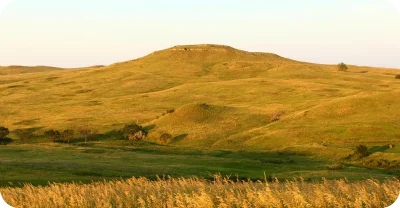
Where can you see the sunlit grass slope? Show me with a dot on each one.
(7, 70)
(224, 99)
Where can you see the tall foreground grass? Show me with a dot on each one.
(141, 192)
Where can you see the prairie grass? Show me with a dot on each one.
(195, 192)
(243, 91)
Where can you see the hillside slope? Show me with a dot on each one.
(321, 109)
(8, 70)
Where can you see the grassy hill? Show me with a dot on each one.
(9, 70)
(223, 98)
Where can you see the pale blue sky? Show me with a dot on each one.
(73, 33)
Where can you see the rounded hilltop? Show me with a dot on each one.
(203, 47)
(209, 52)
(210, 48)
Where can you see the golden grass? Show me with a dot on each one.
(193, 192)
(12, 70)
(253, 86)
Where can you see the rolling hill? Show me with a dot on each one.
(223, 98)
(8, 70)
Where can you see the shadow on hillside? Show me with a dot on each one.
(111, 135)
(32, 130)
(27, 122)
(149, 127)
(178, 138)
(378, 149)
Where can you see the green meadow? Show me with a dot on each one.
(38, 164)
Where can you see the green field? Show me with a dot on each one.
(224, 100)
(40, 163)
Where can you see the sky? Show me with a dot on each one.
(77, 33)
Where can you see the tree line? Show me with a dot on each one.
(131, 132)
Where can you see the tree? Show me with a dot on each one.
(67, 135)
(4, 132)
(360, 152)
(131, 128)
(53, 135)
(165, 138)
(93, 134)
(85, 132)
(134, 132)
(3, 135)
(342, 67)
(133, 137)
(25, 134)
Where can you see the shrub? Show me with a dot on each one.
(133, 137)
(342, 67)
(398, 76)
(133, 132)
(67, 135)
(5, 141)
(165, 138)
(4, 132)
(205, 106)
(167, 112)
(25, 134)
(360, 152)
(131, 128)
(52, 135)
(276, 116)
(170, 110)
(86, 132)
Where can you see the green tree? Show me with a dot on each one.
(85, 131)
(360, 152)
(4, 132)
(342, 67)
(165, 138)
(3, 135)
(67, 135)
(53, 135)
(134, 132)
(133, 137)
(25, 134)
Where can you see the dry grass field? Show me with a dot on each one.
(323, 111)
(13, 70)
(193, 193)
